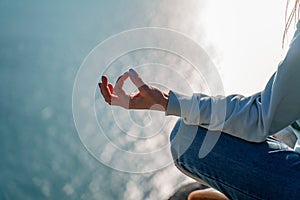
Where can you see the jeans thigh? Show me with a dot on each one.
(237, 168)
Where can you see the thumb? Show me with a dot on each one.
(135, 78)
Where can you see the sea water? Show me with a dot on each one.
(42, 45)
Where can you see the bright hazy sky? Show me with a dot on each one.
(247, 35)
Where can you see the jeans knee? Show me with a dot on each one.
(175, 130)
(181, 139)
(173, 145)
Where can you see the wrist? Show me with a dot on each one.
(165, 101)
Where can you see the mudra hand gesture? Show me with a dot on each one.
(147, 97)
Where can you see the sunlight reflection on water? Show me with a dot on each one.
(42, 47)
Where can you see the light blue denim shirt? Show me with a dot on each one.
(252, 118)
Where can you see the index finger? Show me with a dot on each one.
(120, 82)
(135, 78)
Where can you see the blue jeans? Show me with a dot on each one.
(237, 168)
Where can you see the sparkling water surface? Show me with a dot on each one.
(42, 45)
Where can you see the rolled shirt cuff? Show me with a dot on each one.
(179, 104)
(173, 107)
(188, 107)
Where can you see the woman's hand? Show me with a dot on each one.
(148, 97)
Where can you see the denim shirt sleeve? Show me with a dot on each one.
(251, 118)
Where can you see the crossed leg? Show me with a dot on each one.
(237, 168)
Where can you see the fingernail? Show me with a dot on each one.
(102, 78)
(125, 73)
(99, 84)
(131, 71)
